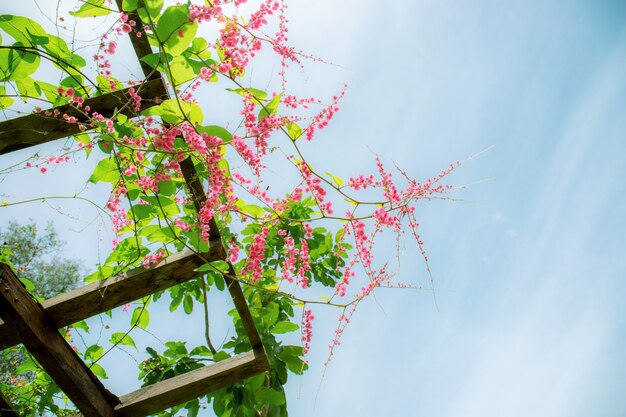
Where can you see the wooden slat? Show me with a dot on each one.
(193, 384)
(5, 408)
(141, 45)
(199, 198)
(101, 296)
(242, 308)
(35, 129)
(41, 337)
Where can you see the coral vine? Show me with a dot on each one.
(280, 242)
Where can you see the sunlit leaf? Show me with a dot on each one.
(92, 8)
(284, 327)
(105, 171)
(141, 317)
(120, 338)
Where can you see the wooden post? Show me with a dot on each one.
(43, 340)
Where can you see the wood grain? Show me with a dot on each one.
(43, 340)
(101, 296)
(35, 129)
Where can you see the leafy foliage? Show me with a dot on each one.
(180, 180)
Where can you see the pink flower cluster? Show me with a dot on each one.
(153, 259)
(291, 257)
(307, 330)
(257, 255)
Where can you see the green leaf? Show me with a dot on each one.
(143, 211)
(166, 188)
(105, 171)
(188, 304)
(151, 10)
(270, 108)
(156, 60)
(220, 356)
(152, 352)
(284, 327)
(181, 70)
(294, 130)
(16, 64)
(28, 284)
(259, 95)
(93, 353)
(291, 356)
(92, 8)
(336, 179)
(201, 351)
(221, 266)
(23, 29)
(252, 210)
(175, 112)
(141, 317)
(28, 87)
(27, 365)
(269, 396)
(121, 338)
(163, 204)
(171, 21)
(98, 371)
(172, 24)
(177, 44)
(175, 349)
(4, 101)
(218, 131)
(220, 283)
(130, 5)
(81, 325)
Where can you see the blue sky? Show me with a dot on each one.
(531, 307)
(530, 318)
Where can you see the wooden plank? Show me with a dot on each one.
(199, 198)
(101, 296)
(37, 128)
(242, 308)
(141, 45)
(193, 384)
(5, 408)
(43, 340)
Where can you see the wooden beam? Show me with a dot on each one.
(101, 296)
(242, 308)
(37, 128)
(6, 410)
(141, 44)
(43, 340)
(199, 198)
(193, 384)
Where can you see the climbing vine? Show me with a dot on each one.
(296, 249)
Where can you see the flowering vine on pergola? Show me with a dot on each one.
(183, 186)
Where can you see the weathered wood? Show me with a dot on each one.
(42, 339)
(193, 384)
(242, 308)
(5, 408)
(141, 44)
(199, 198)
(37, 128)
(101, 296)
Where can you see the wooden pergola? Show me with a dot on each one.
(36, 325)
